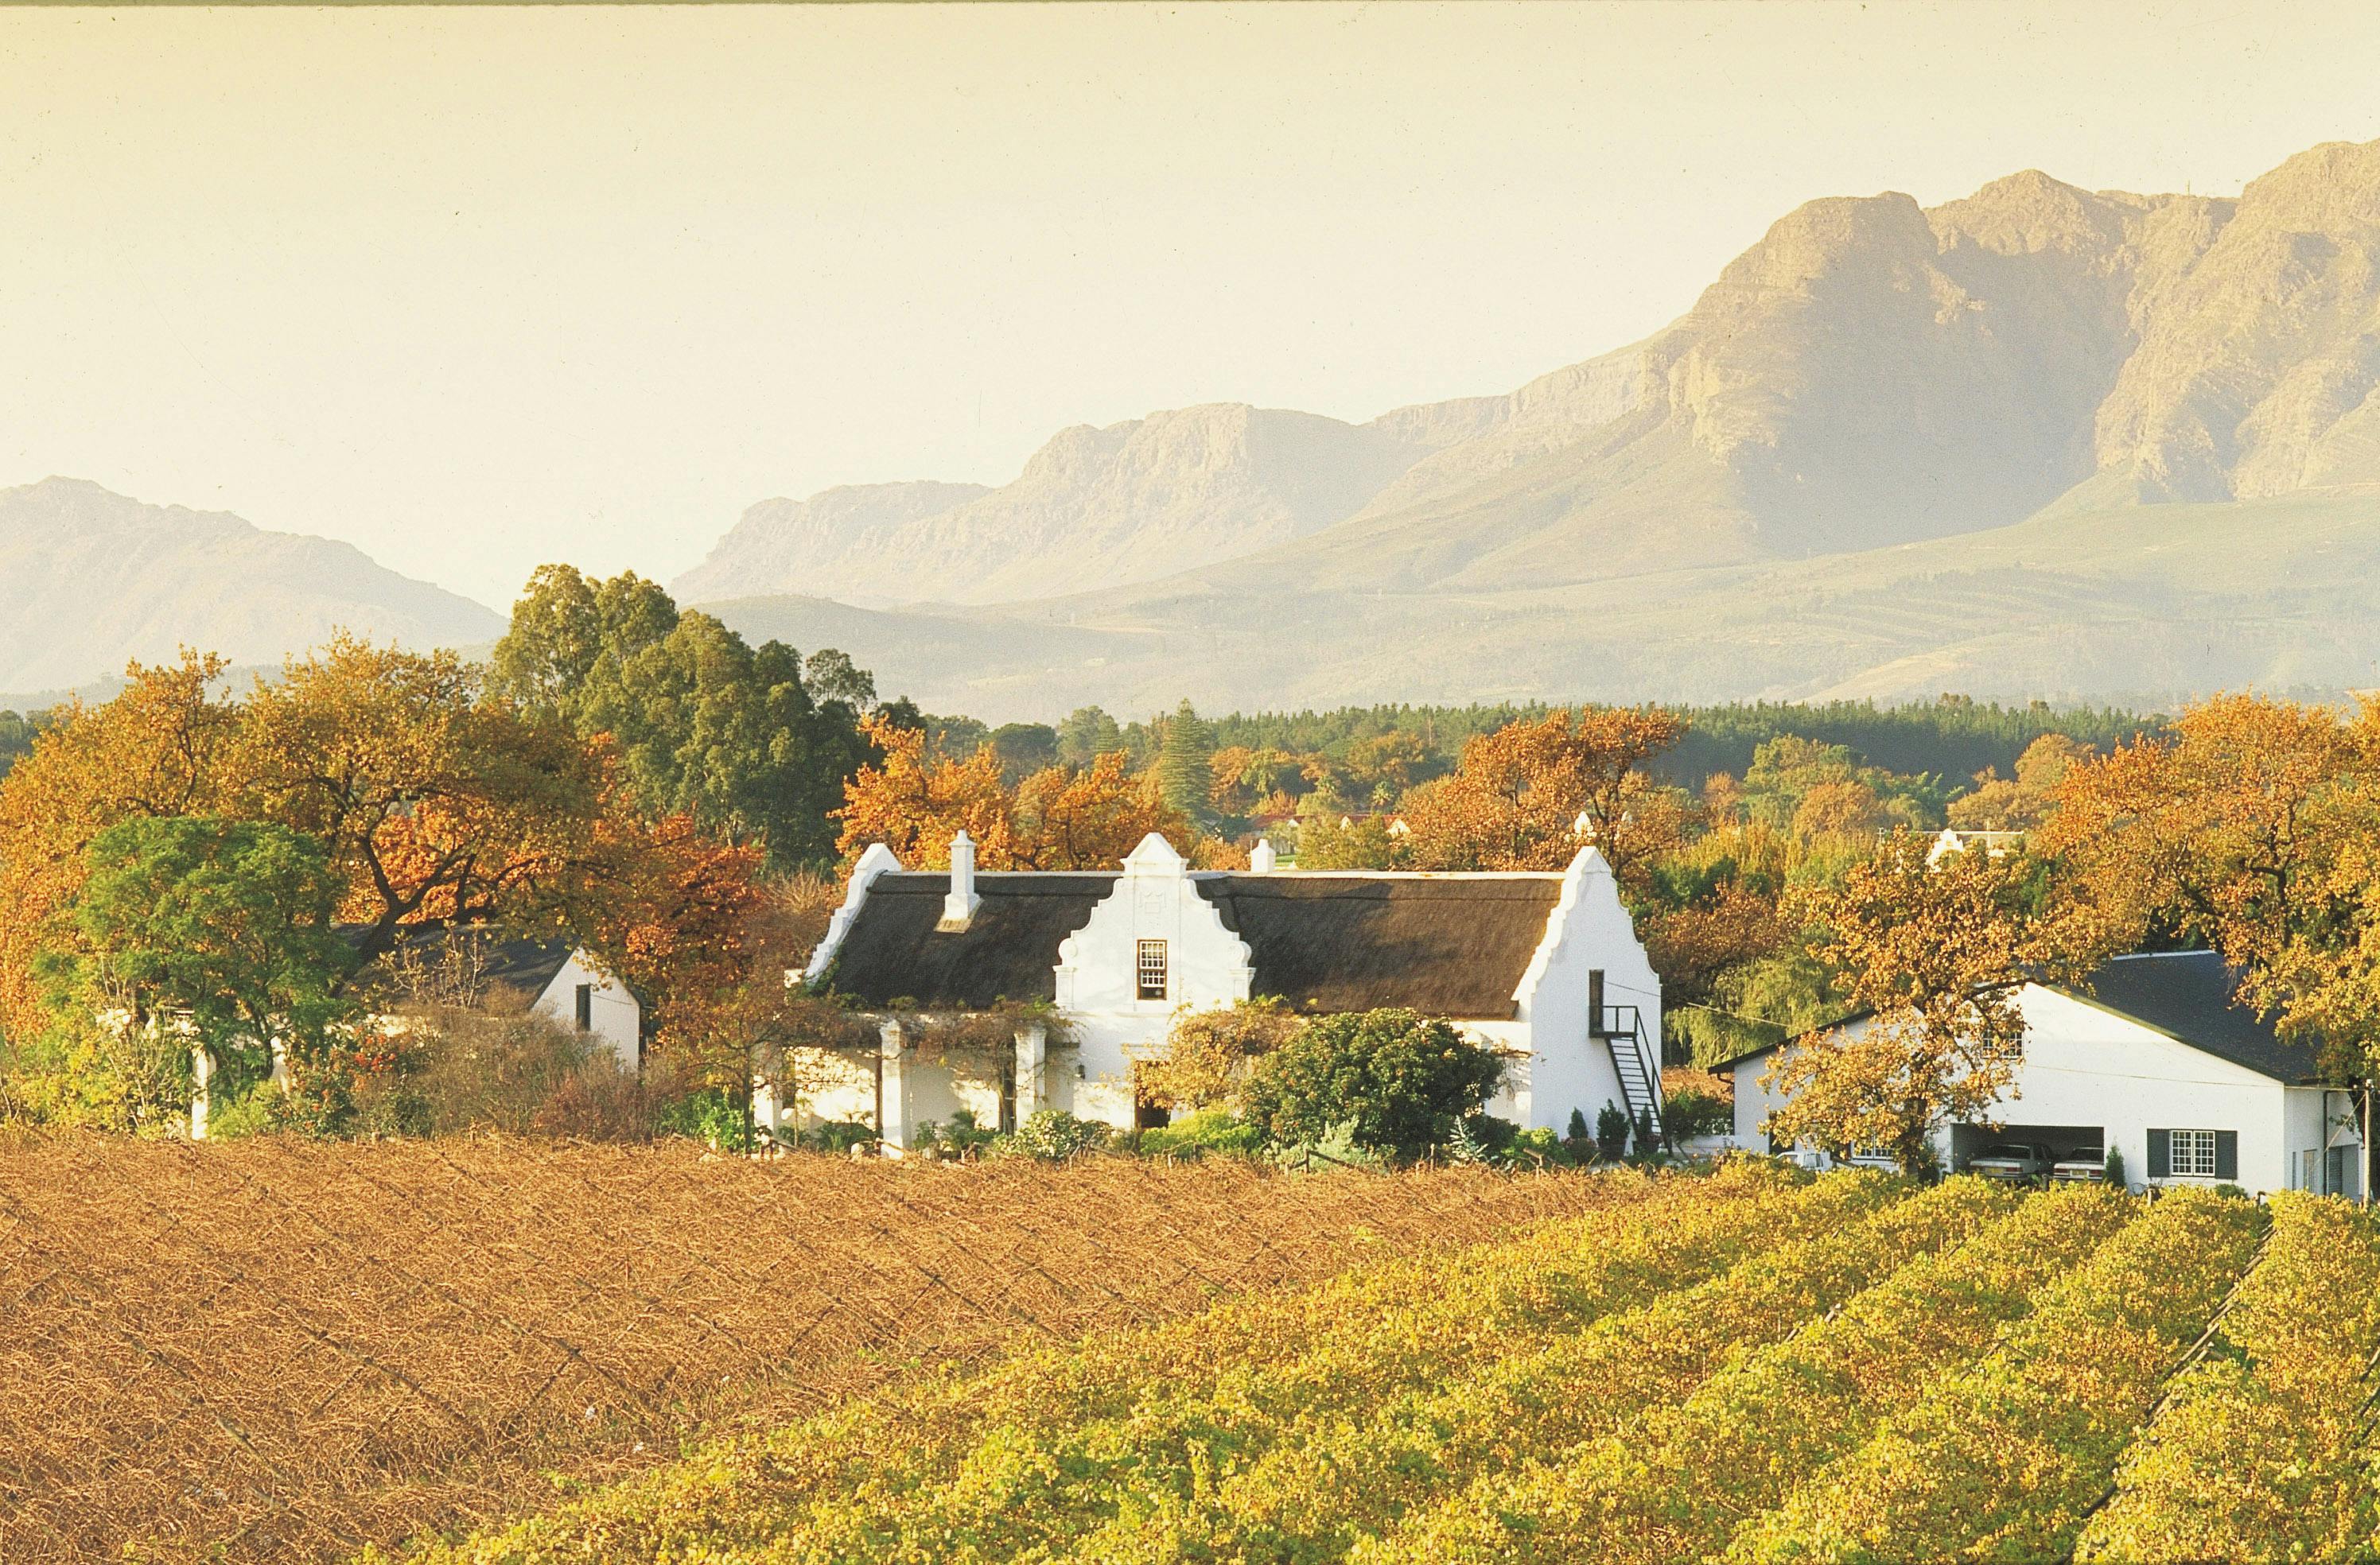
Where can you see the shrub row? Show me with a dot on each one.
(1677, 1483)
(2003, 1462)
(1032, 1489)
(2257, 1453)
(1354, 1472)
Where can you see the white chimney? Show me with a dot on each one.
(959, 906)
(1260, 857)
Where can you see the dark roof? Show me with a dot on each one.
(1007, 951)
(1446, 946)
(2194, 996)
(495, 959)
(2189, 996)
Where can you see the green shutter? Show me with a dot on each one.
(2226, 1153)
(2160, 1154)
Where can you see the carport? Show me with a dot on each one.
(2061, 1140)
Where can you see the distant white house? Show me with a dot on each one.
(2154, 1057)
(1546, 965)
(1951, 840)
(557, 977)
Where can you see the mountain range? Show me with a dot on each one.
(2039, 442)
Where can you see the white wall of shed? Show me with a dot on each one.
(613, 1016)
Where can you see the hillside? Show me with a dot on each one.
(90, 578)
(2137, 604)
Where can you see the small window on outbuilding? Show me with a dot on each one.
(1151, 969)
(584, 1012)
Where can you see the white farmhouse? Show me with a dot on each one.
(1546, 965)
(2155, 1057)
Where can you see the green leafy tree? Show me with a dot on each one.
(209, 932)
(1087, 734)
(1024, 749)
(1395, 1081)
(751, 742)
(1185, 774)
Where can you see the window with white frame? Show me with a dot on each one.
(1151, 969)
(2192, 1154)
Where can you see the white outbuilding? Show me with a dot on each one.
(1544, 966)
(2154, 1057)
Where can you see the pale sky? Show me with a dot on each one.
(477, 289)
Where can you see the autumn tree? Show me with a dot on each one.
(1528, 795)
(2249, 825)
(915, 802)
(432, 800)
(2224, 832)
(1205, 1059)
(154, 750)
(2023, 801)
(1936, 956)
(1057, 818)
(1062, 818)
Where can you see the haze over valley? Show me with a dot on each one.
(2037, 443)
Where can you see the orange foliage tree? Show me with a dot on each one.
(1056, 818)
(2253, 827)
(2226, 831)
(1515, 799)
(1937, 953)
(435, 802)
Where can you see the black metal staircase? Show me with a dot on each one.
(1633, 1061)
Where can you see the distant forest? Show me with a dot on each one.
(1953, 738)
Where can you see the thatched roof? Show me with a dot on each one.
(1448, 945)
(1452, 945)
(1007, 951)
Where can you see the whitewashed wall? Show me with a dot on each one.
(1206, 967)
(2086, 1065)
(1567, 1069)
(613, 1015)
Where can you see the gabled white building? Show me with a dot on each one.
(2154, 1057)
(557, 977)
(1546, 965)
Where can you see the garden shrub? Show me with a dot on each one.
(1400, 1081)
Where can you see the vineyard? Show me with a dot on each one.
(258, 1352)
(1750, 1367)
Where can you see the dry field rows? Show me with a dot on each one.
(263, 1351)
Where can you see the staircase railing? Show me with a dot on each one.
(1622, 1028)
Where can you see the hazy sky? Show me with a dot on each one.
(480, 288)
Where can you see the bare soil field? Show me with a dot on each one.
(267, 1350)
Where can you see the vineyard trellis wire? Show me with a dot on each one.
(269, 1350)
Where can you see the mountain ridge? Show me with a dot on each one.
(147, 580)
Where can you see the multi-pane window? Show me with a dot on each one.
(1151, 968)
(2193, 1154)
